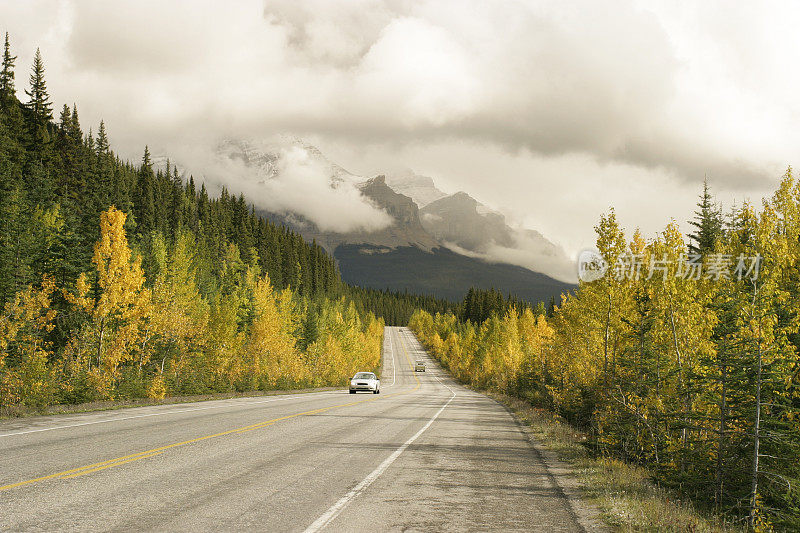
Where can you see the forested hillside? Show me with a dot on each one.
(683, 357)
(396, 308)
(118, 280)
(441, 272)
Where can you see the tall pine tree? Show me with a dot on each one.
(101, 144)
(39, 102)
(707, 223)
(7, 72)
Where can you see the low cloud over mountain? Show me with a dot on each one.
(292, 181)
(468, 227)
(289, 178)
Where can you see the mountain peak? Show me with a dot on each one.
(419, 188)
(461, 196)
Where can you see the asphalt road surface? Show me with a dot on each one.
(424, 455)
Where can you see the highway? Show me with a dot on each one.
(424, 455)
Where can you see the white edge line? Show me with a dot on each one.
(166, 413)
(339, 506)
(445, 384)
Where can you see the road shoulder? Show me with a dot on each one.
(111, 405)
(588, 515)
(619, 495)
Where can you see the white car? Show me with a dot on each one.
(366, 381)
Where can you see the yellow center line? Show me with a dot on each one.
(260, 426)
(75, 472)
(84, 472)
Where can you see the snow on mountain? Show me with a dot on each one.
(421, 189)
(267, 158)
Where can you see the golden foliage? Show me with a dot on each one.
(135, 339)
(25, 376)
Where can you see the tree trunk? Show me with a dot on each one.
(723, 415)
(605, 340)
(682, 380)
(757, 421)
(100, 343)
(756, 442)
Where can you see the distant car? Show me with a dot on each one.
(419, 366)
(366, 381)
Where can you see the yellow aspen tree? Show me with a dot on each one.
(687, 321)
(510, 356)
(574, 363)
(452, 346)
(122, 305)
(535, 336)
(611, 244)
(768, 323)
(272, 356)
(223, 344)
(25, 374)
(179, 314)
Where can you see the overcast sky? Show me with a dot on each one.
(550, 111)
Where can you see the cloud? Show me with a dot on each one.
(667, 92)
(289, 179)
(528, 250)
(303, 186)
(612, 81)
(536, 254)
(528, 255)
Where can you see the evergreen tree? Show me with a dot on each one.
(101, 144)
(65, 120)
(88, 141)
(147, 163)
(145, 198)
(551, 306)
(39, 102)
(708, 223)
(7, 72)
(15, 243)
(74, 129)
(468, 308)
